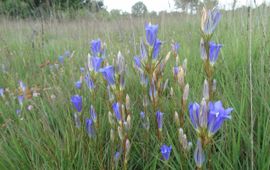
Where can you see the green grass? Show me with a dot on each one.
(47, 137)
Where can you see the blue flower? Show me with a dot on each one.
(78, 84)
(108, 74)
(1, 92)
(95, 63)
(117, 112)
(142, 115)
(165, 151)
(20, 99)
(214, 50)
(210, 20)
(199, 156)
(77, 102)
(137, 62)
(175, 47)
(194, 113)
(61, 59)
(151, 33)
(82, 69)
(217, 115)
(159, 116)
(89, 82)
(175, 71)
(22, 86)
(95, 47)
(18, 112)
(67, 54)
(90, 127)
(156, 48)
(117, 156)
(93, 113)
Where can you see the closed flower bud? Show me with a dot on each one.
(112, 136)
(184, 65)
(177, 60)
(77, 120)
(176, 119)
(123, 111)
(186, 91)
(214, 85)
(145, 101)
(181, 77)
(110, 116)
(206, 90)
(120, 133)
(171, 92)
(127, 102)
(203, 114)
(165, 84)
(127, 147)
(129, 121)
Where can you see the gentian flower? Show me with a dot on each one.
(89, 82)
(211, 119)
(210, 20)
(199, 156)
(95, 47)
(20, 99)
(61, 59)
(159, 116)
(117, 112)
(90, 127)
(22, 86)
(137, 62)
(78, 84)
(194, 113)
(82, 69)
(108, 74)
(145, 121)
(156, 48)
(2, 92)
(175, 47)
(93, 113)
(117, 156)
(67, 54)
(77, 102)
(165, 151)
(217, 115)
(94, 63)
(120, 63)
(151, 33)
(214, 50)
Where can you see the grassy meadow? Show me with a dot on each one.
(47, 138)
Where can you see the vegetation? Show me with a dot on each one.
(44, 136)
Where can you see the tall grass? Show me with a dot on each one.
(47, 139)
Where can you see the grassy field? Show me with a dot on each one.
(47, 138)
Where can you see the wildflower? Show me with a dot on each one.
(18, 112)
(128, 146)
(143, 51)
(20, 99)
(145, 121)
(214, 50)
(2, 92)
(151, 33)
(127, 102)
(110, 94)
(120, 63)
(199, 156)
(137, 62)
(202, 49)
(77, 102)
(95, 47)
(82, 69)
(67, 54)
(165, 151)
(30, 107)
(152, 91)
(210, 20)
(93, 113)
(217, 115)
(22, 86)
(117, 112)
(78, 84)
(186, 91)
(120, 133)
(112, 136)
(159, 116)
(77, 120)
(194, 111)
(206, 90)
(94, 63)
(156, 48)
(110, 117)
(61, 59)
(175, 71)
(176, 118)
(108, 74)
(117, 156)
(90, 127)
(183, 140)
(175, 47)
(89, 82)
